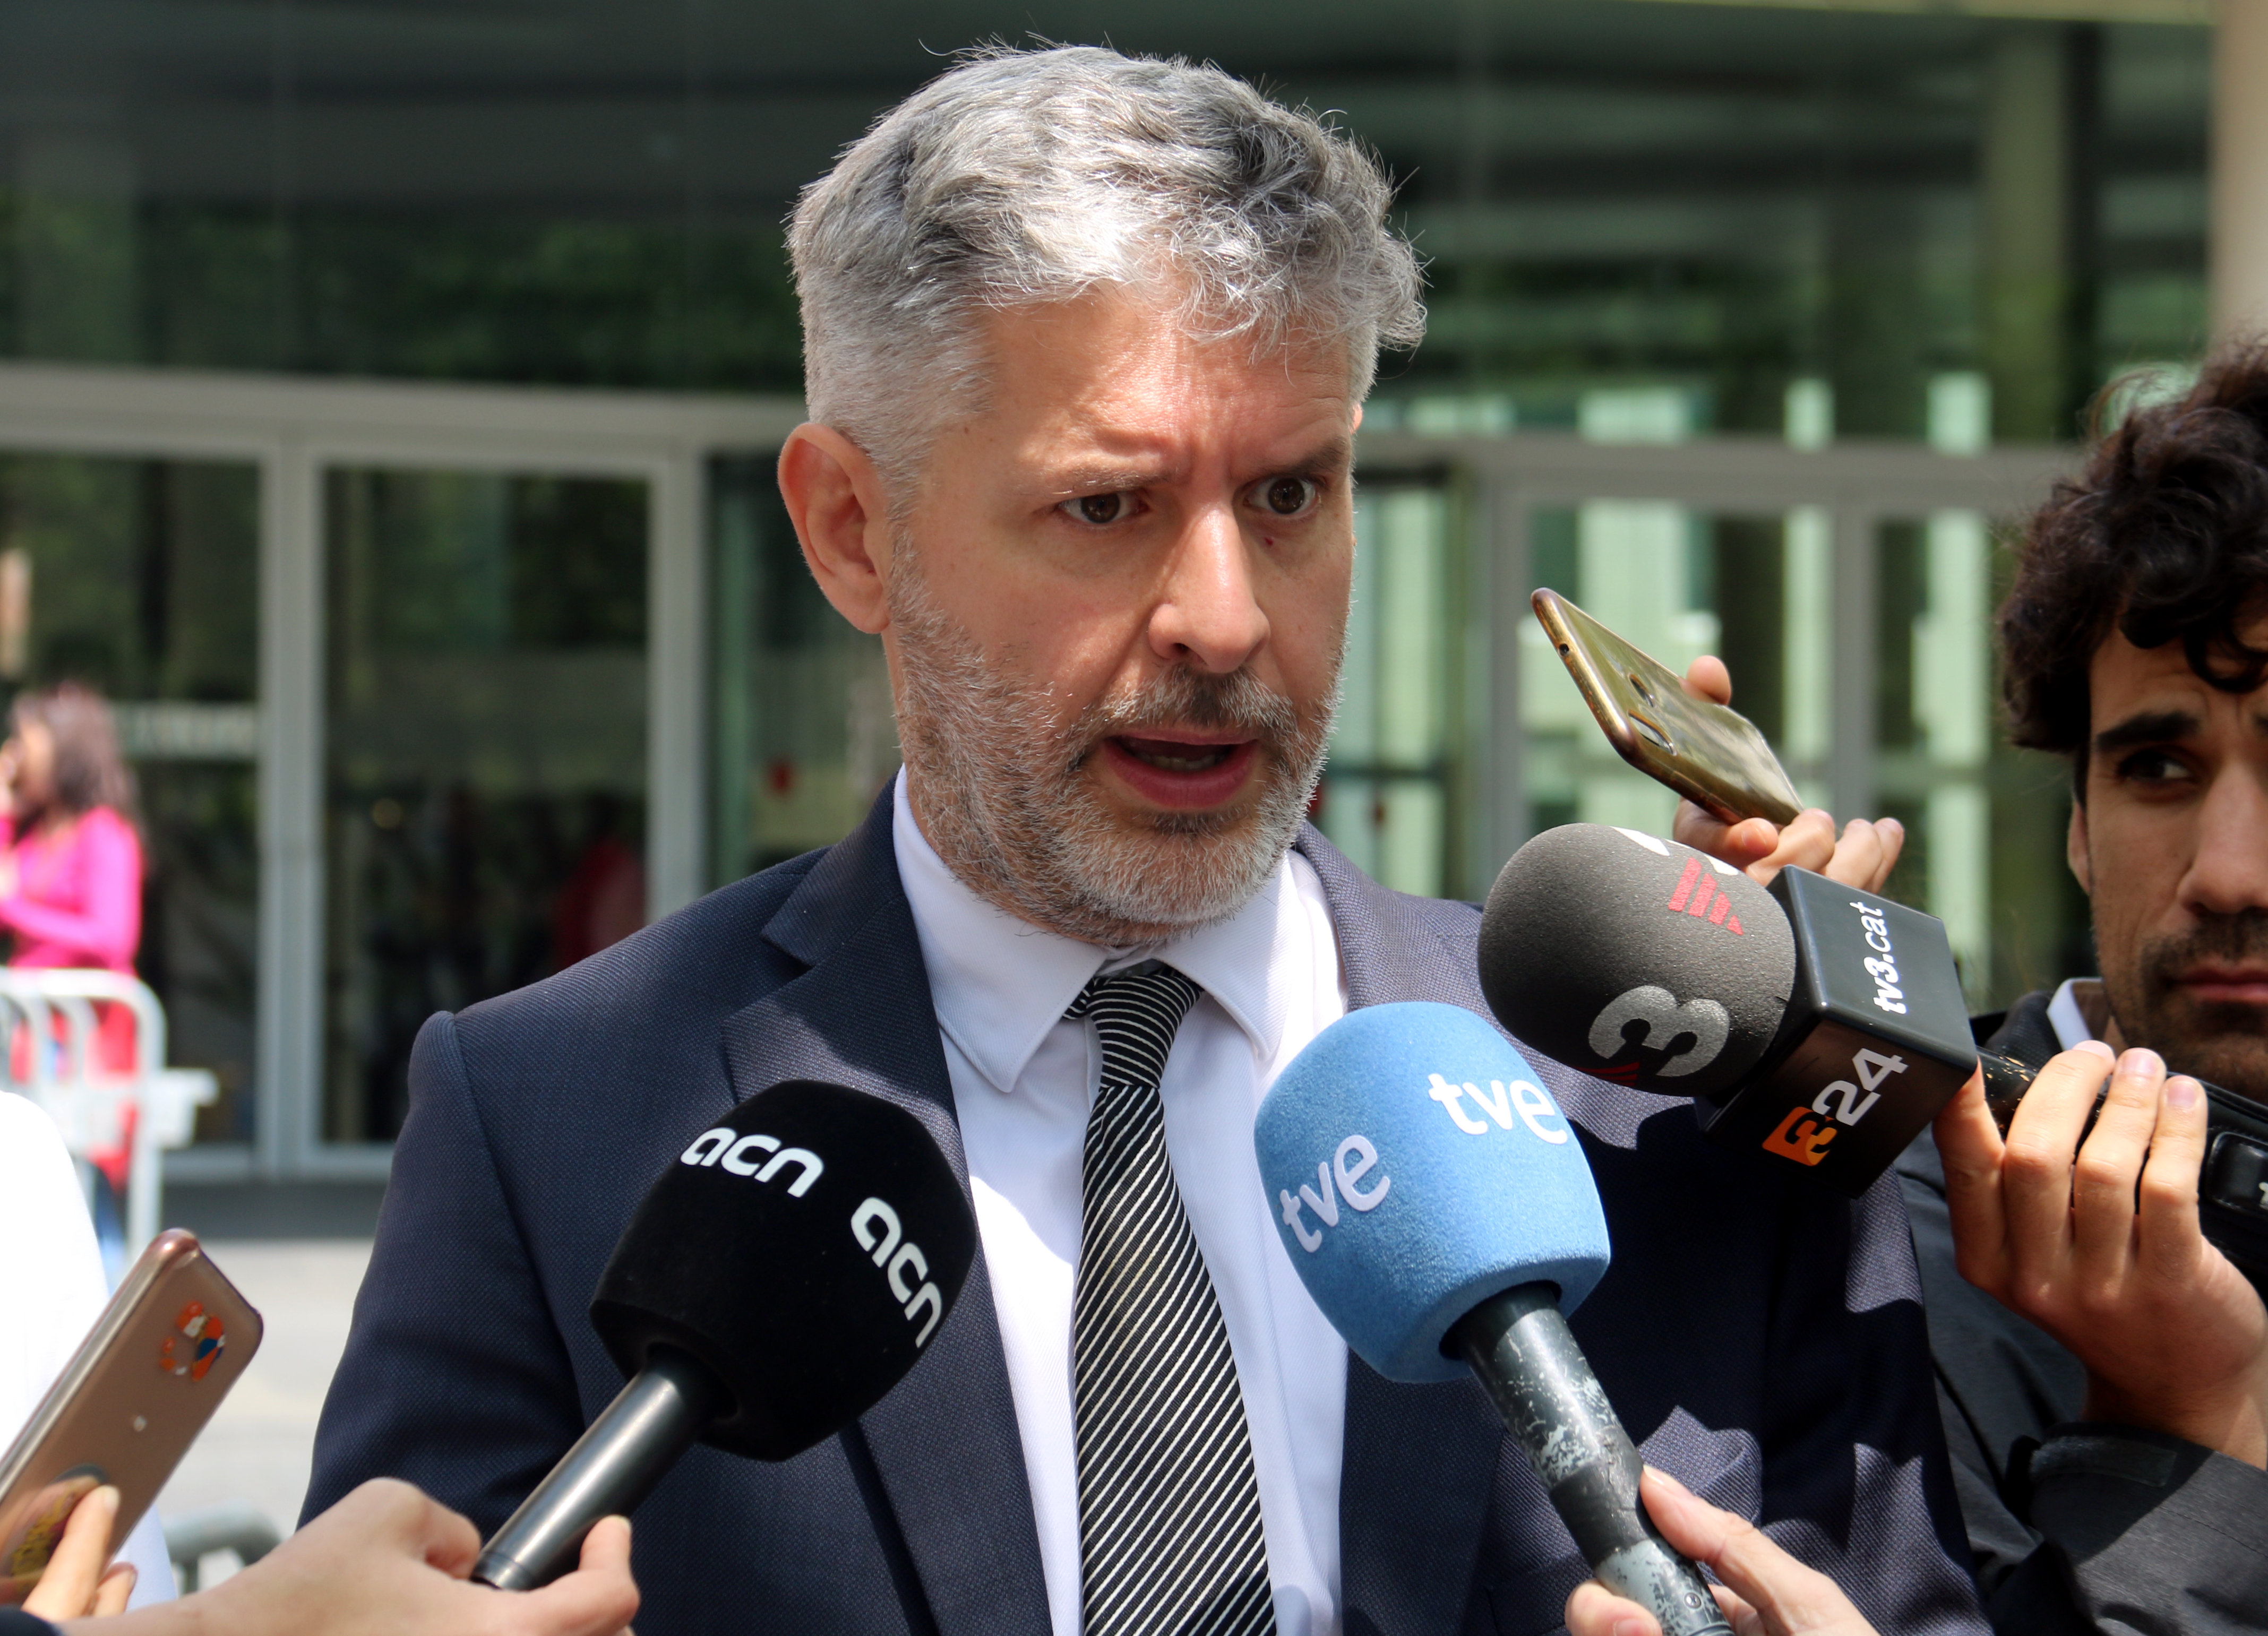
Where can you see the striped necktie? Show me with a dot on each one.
(1170, 1542)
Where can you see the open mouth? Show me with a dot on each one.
(1175, 756)
(1189, 773)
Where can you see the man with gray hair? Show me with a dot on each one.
(1087, 339)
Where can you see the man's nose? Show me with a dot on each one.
(2229, 872)
(1208, 614)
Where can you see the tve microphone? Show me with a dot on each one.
(1816, 1023)
(780, 1276)
(1440, 1212)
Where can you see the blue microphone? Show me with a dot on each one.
(1439, 1208)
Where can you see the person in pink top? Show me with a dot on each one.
(70, 859)
(70, 882)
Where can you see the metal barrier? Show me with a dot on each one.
(148, 1109)
(242, 1529)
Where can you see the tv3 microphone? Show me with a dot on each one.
(783, 1273)
(1440, 1212)
(1816, 1024)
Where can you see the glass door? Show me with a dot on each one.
(138, 580)
(485, 751)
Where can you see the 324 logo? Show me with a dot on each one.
(205, 1340)
(1804, 1135)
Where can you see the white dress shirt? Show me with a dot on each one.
(55, 1292)
(1023, 1079)
(2067, 1012)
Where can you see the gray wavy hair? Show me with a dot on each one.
(1024, 177)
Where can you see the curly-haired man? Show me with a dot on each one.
(2135, 641)
(2103, 1369)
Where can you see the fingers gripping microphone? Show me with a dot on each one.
(1441, 1214)
(1816, 1023)
(780, 1276)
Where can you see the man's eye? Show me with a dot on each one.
(1287, 497)
(2153, 767)
(1100, 509)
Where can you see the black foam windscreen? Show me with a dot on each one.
(806, 1248)
(1635, 959)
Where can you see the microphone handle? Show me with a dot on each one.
(1518, 1346)
(2006, 1082)
(629, 1448)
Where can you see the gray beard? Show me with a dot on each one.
(1007, 799)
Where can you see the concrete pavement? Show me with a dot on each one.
(261, 1439)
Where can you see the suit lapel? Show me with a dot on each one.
(1419, 1460)
(861, 1017)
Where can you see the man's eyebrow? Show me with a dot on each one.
(2154, 726)
(1334, 456)
(1099, 479)
(1107, 477)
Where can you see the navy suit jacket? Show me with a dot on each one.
(1761, 1340)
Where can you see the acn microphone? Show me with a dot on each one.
(784, 1272)
(1440, 1212)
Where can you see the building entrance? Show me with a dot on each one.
(414, 682)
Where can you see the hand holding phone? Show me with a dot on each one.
(127, 1406)
(1739, 804)
(1861, 855)
(76, 1584)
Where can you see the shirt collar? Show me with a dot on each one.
(998, 984)
(2067, 1012)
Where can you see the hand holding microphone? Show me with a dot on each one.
(384, 1561)
(1820, 1029)
(2087, 1224)
(1765, 1592)
(1440, 1209)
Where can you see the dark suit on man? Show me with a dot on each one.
(1761, 1337)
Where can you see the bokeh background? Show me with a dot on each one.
(388, 393)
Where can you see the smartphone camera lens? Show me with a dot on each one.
(1643, 691)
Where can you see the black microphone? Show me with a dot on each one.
(1812, 1022)
(1815, 1022)
(779, 1277)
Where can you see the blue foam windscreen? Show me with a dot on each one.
(1416, 1166)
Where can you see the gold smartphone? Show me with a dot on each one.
(1710, 755)
(135, 1395)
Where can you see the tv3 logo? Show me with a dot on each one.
(1804, 1136)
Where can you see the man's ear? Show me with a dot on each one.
(2074, 849)
(834, 498)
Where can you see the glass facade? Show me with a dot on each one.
(141, 578)
(803, 737)
(1394, 785)
(529, 696)
(485, 741)
(1726, 199)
